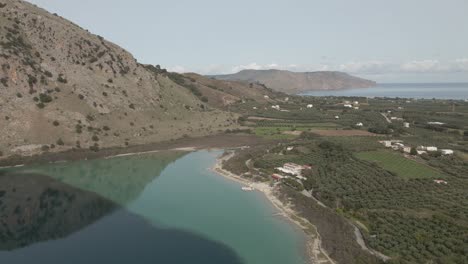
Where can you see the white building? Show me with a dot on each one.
(348, 106)
(359, 124)
(431, 149)
(406, 125)
(277, 107)
(356, 108)
(435, 123)
(289, 148)
(421, 152)
(440, 182)
(310, 106)
(406, 149)
(446, 151)
(266, 97)
(337, 117)
(386, 143)
(291, 168)
(355, 102)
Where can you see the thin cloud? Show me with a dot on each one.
(373, 67)
(423, 66)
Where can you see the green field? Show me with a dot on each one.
(400, 165)
(273, 132)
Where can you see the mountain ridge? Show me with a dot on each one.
(297, 82)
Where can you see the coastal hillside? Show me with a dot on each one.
(221, 94)
(297, 82)
(62, 87)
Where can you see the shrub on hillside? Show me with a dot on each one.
(61, 78)
(60, 142)
(45, 98)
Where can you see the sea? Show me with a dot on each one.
(165, 207)
(457, 91)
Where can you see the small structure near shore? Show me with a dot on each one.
(293, 168)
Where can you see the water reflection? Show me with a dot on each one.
(37, 208)
(79, 226)
(119, 179)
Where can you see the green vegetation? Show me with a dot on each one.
(273, 132)
(393, 198)
(401, 166)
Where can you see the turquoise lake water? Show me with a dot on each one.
(155, 208)
(457, 91)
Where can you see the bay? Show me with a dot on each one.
(156, 208)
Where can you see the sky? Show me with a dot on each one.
(383, 40)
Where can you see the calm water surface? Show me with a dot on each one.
(404, 90)
(155, 208)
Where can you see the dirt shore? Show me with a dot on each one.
(314, 250)
(207, 142)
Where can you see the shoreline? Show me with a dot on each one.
(183, 144)
(314, 250)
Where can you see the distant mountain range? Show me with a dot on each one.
(297, 82)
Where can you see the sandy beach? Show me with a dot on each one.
(314, 249)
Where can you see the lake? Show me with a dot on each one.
(165, 207)
(403, 90)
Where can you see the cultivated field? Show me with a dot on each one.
(342, 133)
(400, 165)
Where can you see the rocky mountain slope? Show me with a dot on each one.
(62, 87)
(220, 94)
(297, 82)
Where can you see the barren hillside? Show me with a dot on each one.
(62, 87)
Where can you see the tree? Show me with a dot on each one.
(413, 151)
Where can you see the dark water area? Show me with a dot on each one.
(122, 237)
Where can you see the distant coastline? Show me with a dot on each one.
(455, 91)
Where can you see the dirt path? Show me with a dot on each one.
(208, 142)
(362, 244)
(386, 118)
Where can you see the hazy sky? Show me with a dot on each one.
(385, 40)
